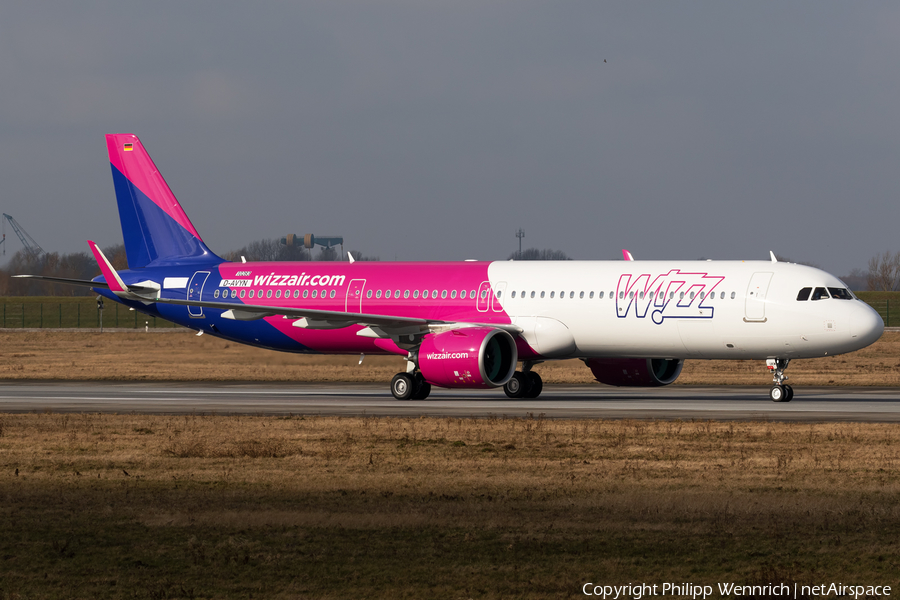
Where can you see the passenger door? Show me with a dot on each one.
(195, 292)
(755, 304)
(355, 295)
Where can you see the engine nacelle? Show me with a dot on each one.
(469, 357)
(635, 372)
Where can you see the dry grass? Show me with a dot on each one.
(209, 506)
(181, 356)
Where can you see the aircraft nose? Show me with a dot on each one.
(866, 325)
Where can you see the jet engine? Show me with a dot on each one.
(469, 357)
(635, 372)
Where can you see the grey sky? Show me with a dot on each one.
(434, 130)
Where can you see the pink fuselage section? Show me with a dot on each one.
(458, 292)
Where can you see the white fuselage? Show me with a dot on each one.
(667, 309)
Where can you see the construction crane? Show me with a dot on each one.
(32, 247)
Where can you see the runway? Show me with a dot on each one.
(349, 399)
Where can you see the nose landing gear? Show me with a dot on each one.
(779, 392)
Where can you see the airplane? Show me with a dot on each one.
(470, 324)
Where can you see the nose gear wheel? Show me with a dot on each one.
(779, 392)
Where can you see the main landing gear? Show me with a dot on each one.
(779, 392)
(409, 386)
(524, 384)
(412, 386)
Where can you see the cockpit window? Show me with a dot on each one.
(820, 294)
(840, 293)
(804, 294)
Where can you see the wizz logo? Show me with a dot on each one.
(675, 295)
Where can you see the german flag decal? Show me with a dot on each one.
(129, 147)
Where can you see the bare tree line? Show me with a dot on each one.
(274, 250)
(81, 265)
(535, 254)
(884, 272)
(76, 265)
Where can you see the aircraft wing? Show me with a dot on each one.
(137, 289)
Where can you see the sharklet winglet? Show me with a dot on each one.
(116, 285)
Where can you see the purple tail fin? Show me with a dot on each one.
(157, 232)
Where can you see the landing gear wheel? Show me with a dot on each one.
(534, 385)
(788, 393)
(778, 393)
(423, 388)
(517, 386)
(402, 386)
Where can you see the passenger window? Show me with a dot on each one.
(732, 295)
(803, 296)
(499, 293)
(532, 294)
(581, 294)
(315, 293)
(601, 295)
(483, 294)
(268, 293)
(278, 293)
(671, 295)
(296, 294)
(592, 295)
(692, 295)
(542, 294)
(621, 295)
(369, 294)
(443, 294)
(251, 293)
(552, 294)
(397, 294)
(216, 294)
(681, 296)
(331, 295)
(406, 293)
(840, 293)
(523, 294)
(434, 294)
(572, 294)
(452, 294)
(234, 293)
(722, 296)
(305, 294)
(425, 294)
(378, 294)
(513, 294)
(387, 294)
(243, 293)
(641, 295)
(415, 293)
(820, 294)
